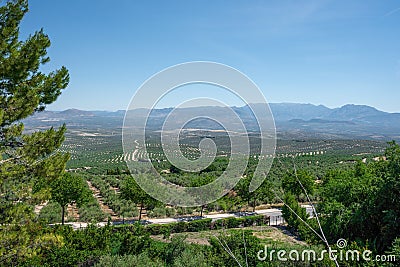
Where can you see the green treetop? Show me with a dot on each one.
(69, 189)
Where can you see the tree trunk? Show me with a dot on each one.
(62, 214)
(201, 212)
(140, 212)
(254, 204)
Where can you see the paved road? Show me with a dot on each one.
(274, 214)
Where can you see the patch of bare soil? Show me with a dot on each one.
(72, 211)
(39, 207)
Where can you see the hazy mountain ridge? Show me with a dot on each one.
(281, 112)
(348, 121)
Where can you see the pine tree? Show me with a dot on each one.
(27, 161)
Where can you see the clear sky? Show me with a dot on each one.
(319, 52)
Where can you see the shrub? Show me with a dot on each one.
(170, 212)
(158, 229)
(157, 212)
(179, 227)
(199, 225)
(232, 222)
(91, 212)
(51, 213)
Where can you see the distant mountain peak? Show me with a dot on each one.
(355, 112)
(75, 112)
(355, 106)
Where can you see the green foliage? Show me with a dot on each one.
(292, 212)
(191, 257)
(132, 246)
(91, 212)
(242, 244)
(227, 223)
(362, 203)
(392, 154)
(157, 212)
(296, 182)
(122, 207)
(198, 225)
(262, 194)
(232, 222)
(69, 189)
(174, 169)
(51, 213)
(130, 190)
(159, 229)
(25, 159)
(394, 250)
(117, 171)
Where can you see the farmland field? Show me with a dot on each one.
(99, 158)
(100, 151)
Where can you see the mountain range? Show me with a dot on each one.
(292, 120)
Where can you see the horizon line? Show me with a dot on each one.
(272, 103)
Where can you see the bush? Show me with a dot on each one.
(255, 220)
(191, 257)
(179, 227)
(91, 212)
(51, 213)
(232, 222)
(128, 209)
(199, 225)
(157, 212)
(170, 212)
(184, 211)
(159, 229)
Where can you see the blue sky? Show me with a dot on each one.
(319, 52)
